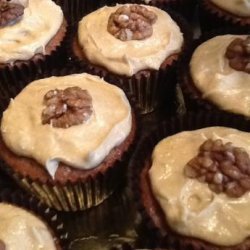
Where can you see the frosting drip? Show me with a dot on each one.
(216, 80)
(127, 58)
(190, 207)
(30, 35)
(82, 146)
(21, 230)
(238, 7)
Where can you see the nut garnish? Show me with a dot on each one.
(224, 167)
(10, 12)
(131, 22)
(2, 245)
(68, 107)
(238, 54)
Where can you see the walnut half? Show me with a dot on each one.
(68, 107)
(131, 22)
(224, 167)
(10, 12)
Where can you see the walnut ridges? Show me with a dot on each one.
(131, 22)
(224, 167)
(10, 12)
(238, 54)
(68, 107)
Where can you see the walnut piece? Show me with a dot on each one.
(224, 167)
(10, 13)
(131, 22)
(2, 245)
(68, 107)
(238, 54)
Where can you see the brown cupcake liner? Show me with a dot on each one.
(162, 236)
(212, 17)
(71, 196)
(150, 87)
(46, 214)
(192, 97)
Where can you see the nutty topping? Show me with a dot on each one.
(2, 245)
(68, 107)
(238, 54)
(224, 167)
(10, 13)
(132, 22)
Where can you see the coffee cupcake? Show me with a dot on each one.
(198, 200)
(134, 45)
(219, 13)
(29, 31)
(220, 81)
(69, 143)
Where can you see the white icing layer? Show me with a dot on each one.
(21, 230)
(190, 207)
(237, 7)
(217, 81)
(127, 58)
(82, 146)
(40, 22)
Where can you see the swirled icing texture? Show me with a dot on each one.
(238, 7)
(224, 86)
(29, 36)
(21, 230)
(189, 206)
(127, 58)
(82, 146)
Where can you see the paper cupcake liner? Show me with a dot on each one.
(157, 235)
(71, 196)
(212, 17)
(47, 215)
(150, 87)
(192, 97)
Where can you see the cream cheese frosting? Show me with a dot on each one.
(216, 80)
(127, 58)
(29, 36)
(82, 146)
(189, 206)
(21, 230)
(238, 7)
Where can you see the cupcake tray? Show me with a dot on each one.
(114, 224)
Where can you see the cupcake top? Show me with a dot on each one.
(128, 38)
(21, 230)
(201, 179)
(237, 7)
(220, 71)
(76, 119)
(26, 27)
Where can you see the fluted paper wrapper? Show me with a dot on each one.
(158, 234)
(212, 17)
(71, 196)
(46, 214)
(150, 88)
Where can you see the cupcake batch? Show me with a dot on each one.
(90, 97)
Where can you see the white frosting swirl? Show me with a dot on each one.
(82, 146)
(40, 22)
(190, 207)
(217, 81)
(238, 7)
(21, 230)
(127, 58)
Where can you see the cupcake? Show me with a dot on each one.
(220, 81)
(28, 225)
(70, 142)
(192, 180)
(219, 13)
(29, 30)
(135, 45)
